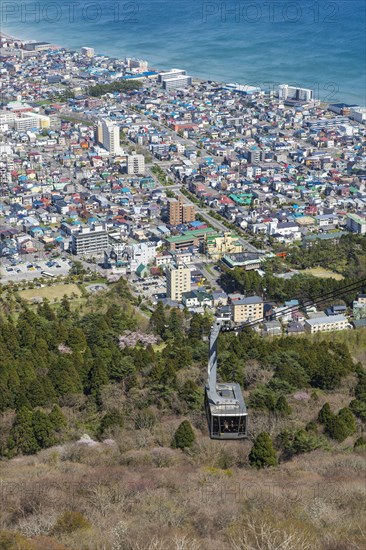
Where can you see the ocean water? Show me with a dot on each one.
(318, 44)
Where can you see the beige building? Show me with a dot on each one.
(247, 309)
(179, 212)
(326, 324)
(178, 280)
(136, 164)
(219, 244)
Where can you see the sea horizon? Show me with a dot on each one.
(321, 46)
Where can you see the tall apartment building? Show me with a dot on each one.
(179, 212)
(108, 136)
(136, 164)
(88, 52)
(247, 309)
(292, 92)
(178, 280)
(89, 242)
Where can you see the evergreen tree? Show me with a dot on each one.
(230, 368)
(174, 329)
(64, 377)
(342, 425)
(262, 453)
(192, 395)
(325, 414)
(76, 339)
(122, 367)
(296, 442)
(43, 429)
(110, 419)
(46, 311)
(98, 378)
(22, 438)
(158, 321)
(336, 429)
(282, 406)
(57, 418)
(184, 437)
(27, 329)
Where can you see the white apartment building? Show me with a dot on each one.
(108, 135)
(173, 73)
(89, 242)
(177, 82)
(141, 253)
(326, 324)
(136, 164)
(27, 121)
(292, 92)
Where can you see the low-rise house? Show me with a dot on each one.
(326, 324)
(190, 299)
(294, 328)
(272, 328)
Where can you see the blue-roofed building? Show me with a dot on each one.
(36, 231)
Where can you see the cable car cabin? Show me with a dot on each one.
(224, 403)
(226, 412)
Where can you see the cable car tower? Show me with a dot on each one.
(224, 403)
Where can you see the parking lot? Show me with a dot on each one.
(33, 270)
(149, 287)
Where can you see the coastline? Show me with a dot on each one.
(195, 78)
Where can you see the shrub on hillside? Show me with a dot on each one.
(69, 522)
(294, 442)
(360, 443)
(262, 453)
(325, 414)
(184, 437)
(342, 425)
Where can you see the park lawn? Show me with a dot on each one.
(321, 272)
(52, 293)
